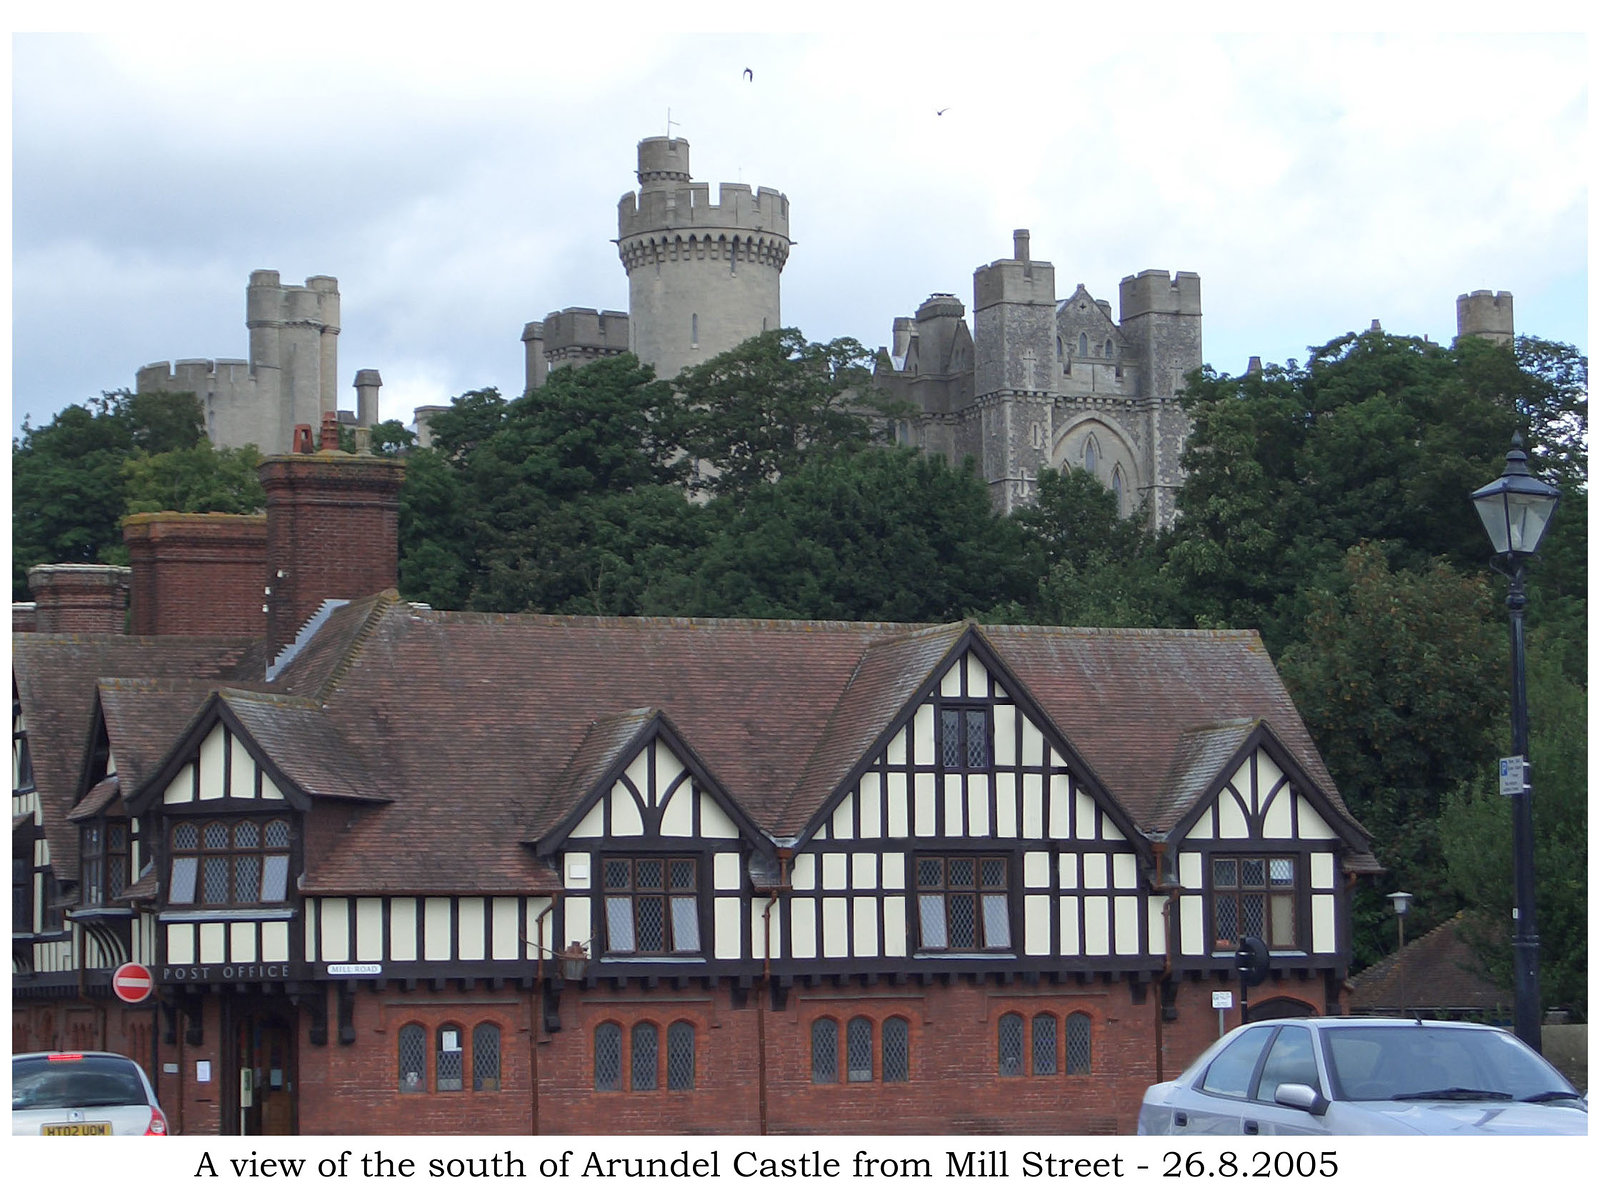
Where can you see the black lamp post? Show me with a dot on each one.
(1515, 510)
(1402, 905)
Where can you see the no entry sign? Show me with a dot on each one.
(132, 982)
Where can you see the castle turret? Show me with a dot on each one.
(1161, 328)
(1485, 314)
(702, 277)
(1014, 326)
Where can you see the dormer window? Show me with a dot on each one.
(226, 863)
(652, 905)
(103, 849)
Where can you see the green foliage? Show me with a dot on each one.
(1400, 680)
(1475, 833)
(766, 407)
(198, 479)
(67, 485)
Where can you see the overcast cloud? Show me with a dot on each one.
(459, 187)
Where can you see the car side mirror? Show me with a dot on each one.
(1302, 1096)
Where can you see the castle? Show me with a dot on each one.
(1035, 381)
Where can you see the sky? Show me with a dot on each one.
(460, 182)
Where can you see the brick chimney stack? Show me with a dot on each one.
(79, 597)
(333, 532)
(197, 574)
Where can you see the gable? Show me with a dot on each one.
(222, 768)
(656, 795)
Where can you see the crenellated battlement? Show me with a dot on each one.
(689, 207)
(1485, 314)
(202, 376)
(1159, 292)
(584, 333)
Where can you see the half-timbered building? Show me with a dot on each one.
(452, 872)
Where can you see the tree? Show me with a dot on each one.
(67, 484)
(766, 407)
(1475, 835)
(1399, 679)
(198, 479)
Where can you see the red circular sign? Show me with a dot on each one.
(132, 982)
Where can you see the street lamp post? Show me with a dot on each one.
(1515, 510)
(1402, 905)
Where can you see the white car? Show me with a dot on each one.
(1361, 1075)
(82, 1093)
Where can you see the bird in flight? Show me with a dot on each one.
(749, 74)
(941, 112)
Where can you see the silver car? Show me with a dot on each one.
(1359, 1075)
(82, 1093)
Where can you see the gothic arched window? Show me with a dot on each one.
(1091, 454)
(1083, 344)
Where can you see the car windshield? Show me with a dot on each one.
(74, 1083)
(1431, 1062)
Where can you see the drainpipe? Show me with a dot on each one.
(765, 989)
(1172, 890)
(535, 1019)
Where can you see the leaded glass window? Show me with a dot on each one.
(608, 1057)
(486, 1058)
(646, 1057)
(824, 1050)
(963, 903)
(1255, 897)
(1010, 1047)
(652, 905)
(964, 738)
(412, 1056)
(447, 1066)
(224, 863)
(1079, 1059)
(858, 1050)
(896, 1050)
(1044, 1044)
(680, 1057)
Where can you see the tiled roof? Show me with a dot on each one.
(100, 795)
(55, 676)
(1439, 972)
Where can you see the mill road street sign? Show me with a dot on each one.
(132, 982)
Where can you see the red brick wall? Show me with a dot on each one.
(79, 598)
(198, 574)
(333, 523)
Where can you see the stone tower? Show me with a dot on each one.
(702, 277)
(1485, 314)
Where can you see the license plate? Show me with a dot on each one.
(82, 1128)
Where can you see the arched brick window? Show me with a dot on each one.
(1010, 1044)
(646, 1057)
(486, 1057)
(412, 1058)
(1079, 1058)
(896, 1050)
(608, 1057)
(824, 1050)
(447, 1064)
(1044, 1044)
(858, 1050)
(680, 1057)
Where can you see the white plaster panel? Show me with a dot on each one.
(308, 933)
(977, 806)
(1067, 865)
(894, 871)
(275, 941)
(626, 819)
(896, 752)
(977, 678)
(894, 926)
(844, 825)
(1096, 925)
(181, 789)
(1324, 936)
(725, 872)
(1032, 745)
(1268, 773)
(436, 945)
(871, 806)
(1056, 760)
(1312, 825)
(926, 825)
(922, 750)
(333, 928)
(1084, 813)
(541, 923)
(1006, 817)
(677, 818)
(242, 770)
(1241, 784)
(865, 926)
(1230, 817)
(1189, 870)
(899, 810)
(668, 765)
(1094, 871)
(1278, 819)
(803, 931)
(833, 872)
(766, 922)
(242, 942)
(579, 928)
(835, 927)
(863, 870)
(1005, 735)
(803, 872)
(714, 822)
(504, 937)
(950, 683)
(955, 809)
(1036, 925)
(1060, 801)
(638, 773)
(213, 938)
(1036, 869)
(1157, 924)
(1109, 832)
(1127, 924)
(212, 785)
(403, 929)
(1032, 810)
(469, 928)
(369, 929)
(1124, 871)
(578, 870)
(1070, 944)
(1191, 925)
(727, 912)
(270, 790)
(1322, 870)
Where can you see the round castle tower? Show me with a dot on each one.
(702, 277)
